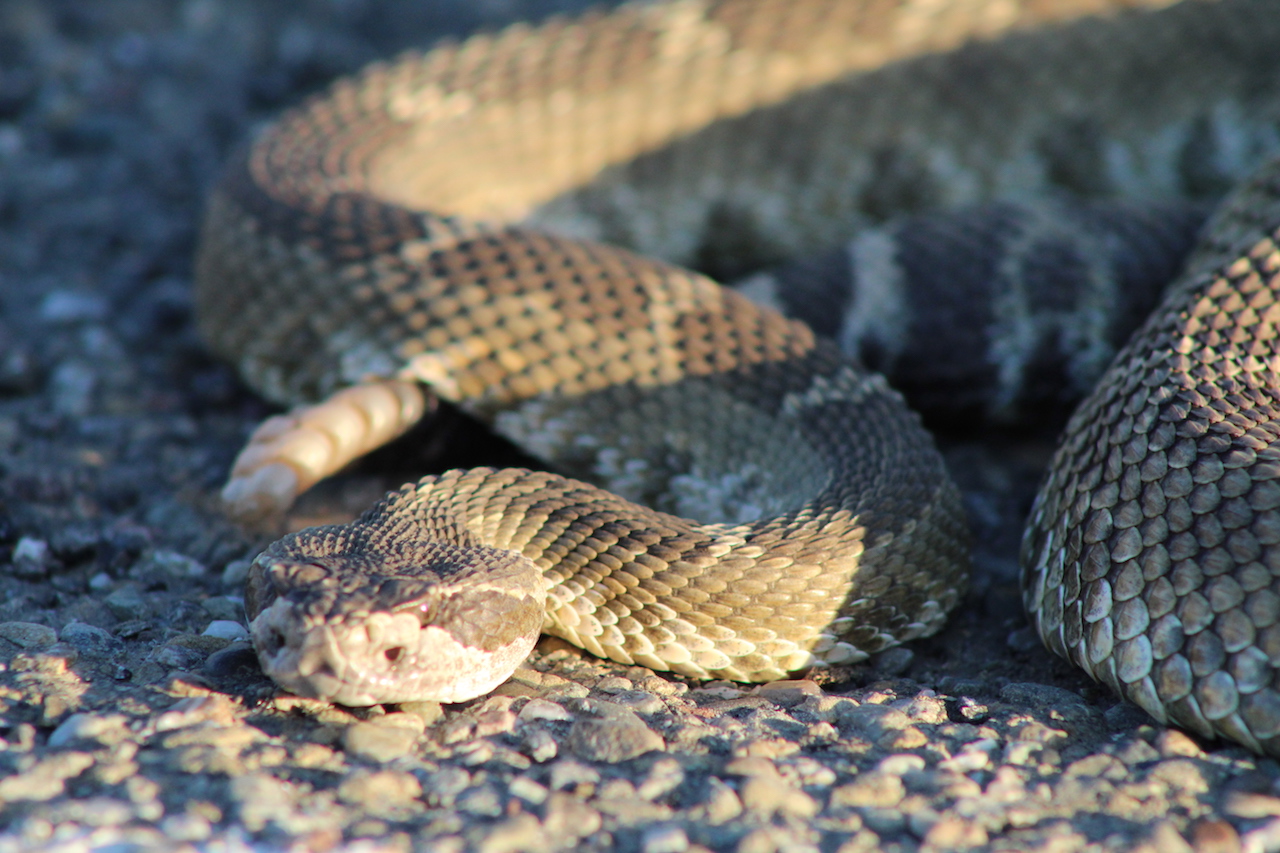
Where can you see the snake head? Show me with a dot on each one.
(443, 622)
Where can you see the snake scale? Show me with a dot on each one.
(448, 224)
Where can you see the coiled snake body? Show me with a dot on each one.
(437, 221)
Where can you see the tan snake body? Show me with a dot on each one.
(746, 131)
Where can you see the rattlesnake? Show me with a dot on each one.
(731, 135)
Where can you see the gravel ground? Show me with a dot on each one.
(132, 712)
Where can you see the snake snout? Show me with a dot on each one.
(351, 662)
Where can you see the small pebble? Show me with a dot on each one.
(788, 694)
(541, 709)
(715, 691)
(926, 707)
(665, 775)
(617, 736)
(900, 765)
(528, 790)
(46, 779)
(226, 630)
(638, 701)
(518, 834)
(953, 833)
(91, 641)
(378, 743)
(188, 651)
(481, 801)
(721, 804)
(969, 711)
(235, 573)
(874, 720)
(1251, 805)
(224, 608)
(614, 684)
(1173, 742)
(446, 783)
(774, 797)
(380, 792)
(664, 839)
(869, 790)
(169, 563)
(494, 721)
(235, 660)
(72, 386)
(753, 766)
(428, 712)
(67, 306)
(894, 661)
(31, 558)
(659, 686)
(128, 603)
(260, 799)
(105, 730)
(538, 744)
(568, 817)
(975, 755)
(28, 635)
(186, 827)
(1213, 835)
(570, 773)
(401, 720)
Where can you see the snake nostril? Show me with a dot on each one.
(275, 641)
(394, 654)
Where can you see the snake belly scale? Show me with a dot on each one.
(437, 222)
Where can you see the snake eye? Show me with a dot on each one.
(426, 613)
(286, 575)
(394, 654)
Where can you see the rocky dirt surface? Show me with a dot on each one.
(132, 712)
